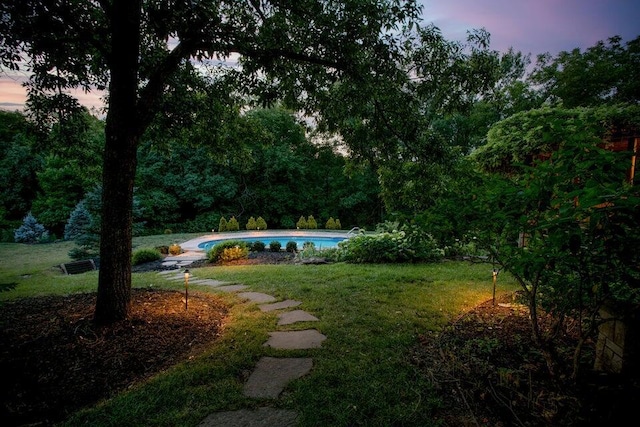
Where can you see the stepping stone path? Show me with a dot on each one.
(271, 374)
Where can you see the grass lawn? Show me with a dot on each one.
(372, 316)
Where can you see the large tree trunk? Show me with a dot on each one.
(114, 283)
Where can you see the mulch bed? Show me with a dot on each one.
(487, 372)
(55, 361)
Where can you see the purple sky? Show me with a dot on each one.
(537, 26)
(529, 26)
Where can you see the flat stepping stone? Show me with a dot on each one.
(280, 305)
(295, 316)
(271, 376)
(261, 417)
(257, 297)
(295, 340)
(231, 288)
(208, 282)
(166, 272)
(169, 263)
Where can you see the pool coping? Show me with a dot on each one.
(193, 244)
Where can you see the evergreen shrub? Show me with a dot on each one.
(258, 246)
(233, 225)
(175, 249)
(275, 246)
(222, 225)
(31, 231)
(79, 222)
(291, 246)
(311, 223)
(251, 224)
(302, 223)
(261, 224)
(331, 224)
(145, 255)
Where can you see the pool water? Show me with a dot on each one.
(319, 242)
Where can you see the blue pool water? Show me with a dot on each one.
(319, 242)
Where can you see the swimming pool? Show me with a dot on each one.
(320, 242)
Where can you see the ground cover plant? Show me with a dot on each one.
(408, 344)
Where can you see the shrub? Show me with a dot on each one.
(233, 224)
(331, 224)
(338, 225)
(311, 223)
(261, 224)
(302, 223)
(258, 246)
(222, 225)
(168, 231)
(235, 249)
(175, 249)
(145, 255)
(291, 246)
(275, 246)
(251, 224)
(308, 245)
(30, 231)
(79, 222)
(232, 254)
(163, 249)
(409, 244)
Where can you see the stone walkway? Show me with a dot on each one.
(271, 375)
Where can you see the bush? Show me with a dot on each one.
(275, 246)
(164, 249)
(261, 224)
(30, 231)
(145, 255)
(222, 225)
(228, 250)
(291, 246)
(308, 245)
(258, 246)
(331, 224)
(311, 223)
(175, 249)
(233, 224)
(79, 222)
(302, 223)
(251, 224)
(338, 225)
(409, 244)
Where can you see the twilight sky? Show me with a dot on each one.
(529, 26)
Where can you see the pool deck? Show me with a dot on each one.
(192, 245)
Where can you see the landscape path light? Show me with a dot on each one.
(186, 289)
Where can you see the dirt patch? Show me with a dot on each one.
(55, 361)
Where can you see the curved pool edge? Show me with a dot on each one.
(193, 244)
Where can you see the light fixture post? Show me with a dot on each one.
(186, 289)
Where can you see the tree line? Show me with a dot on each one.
(273, 171)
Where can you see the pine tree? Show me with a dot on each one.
(233, 224)
(30, 231)
(331, 224)
(261, 224)
(79, 222)
(251, 224)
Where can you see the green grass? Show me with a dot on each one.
(372, 316)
